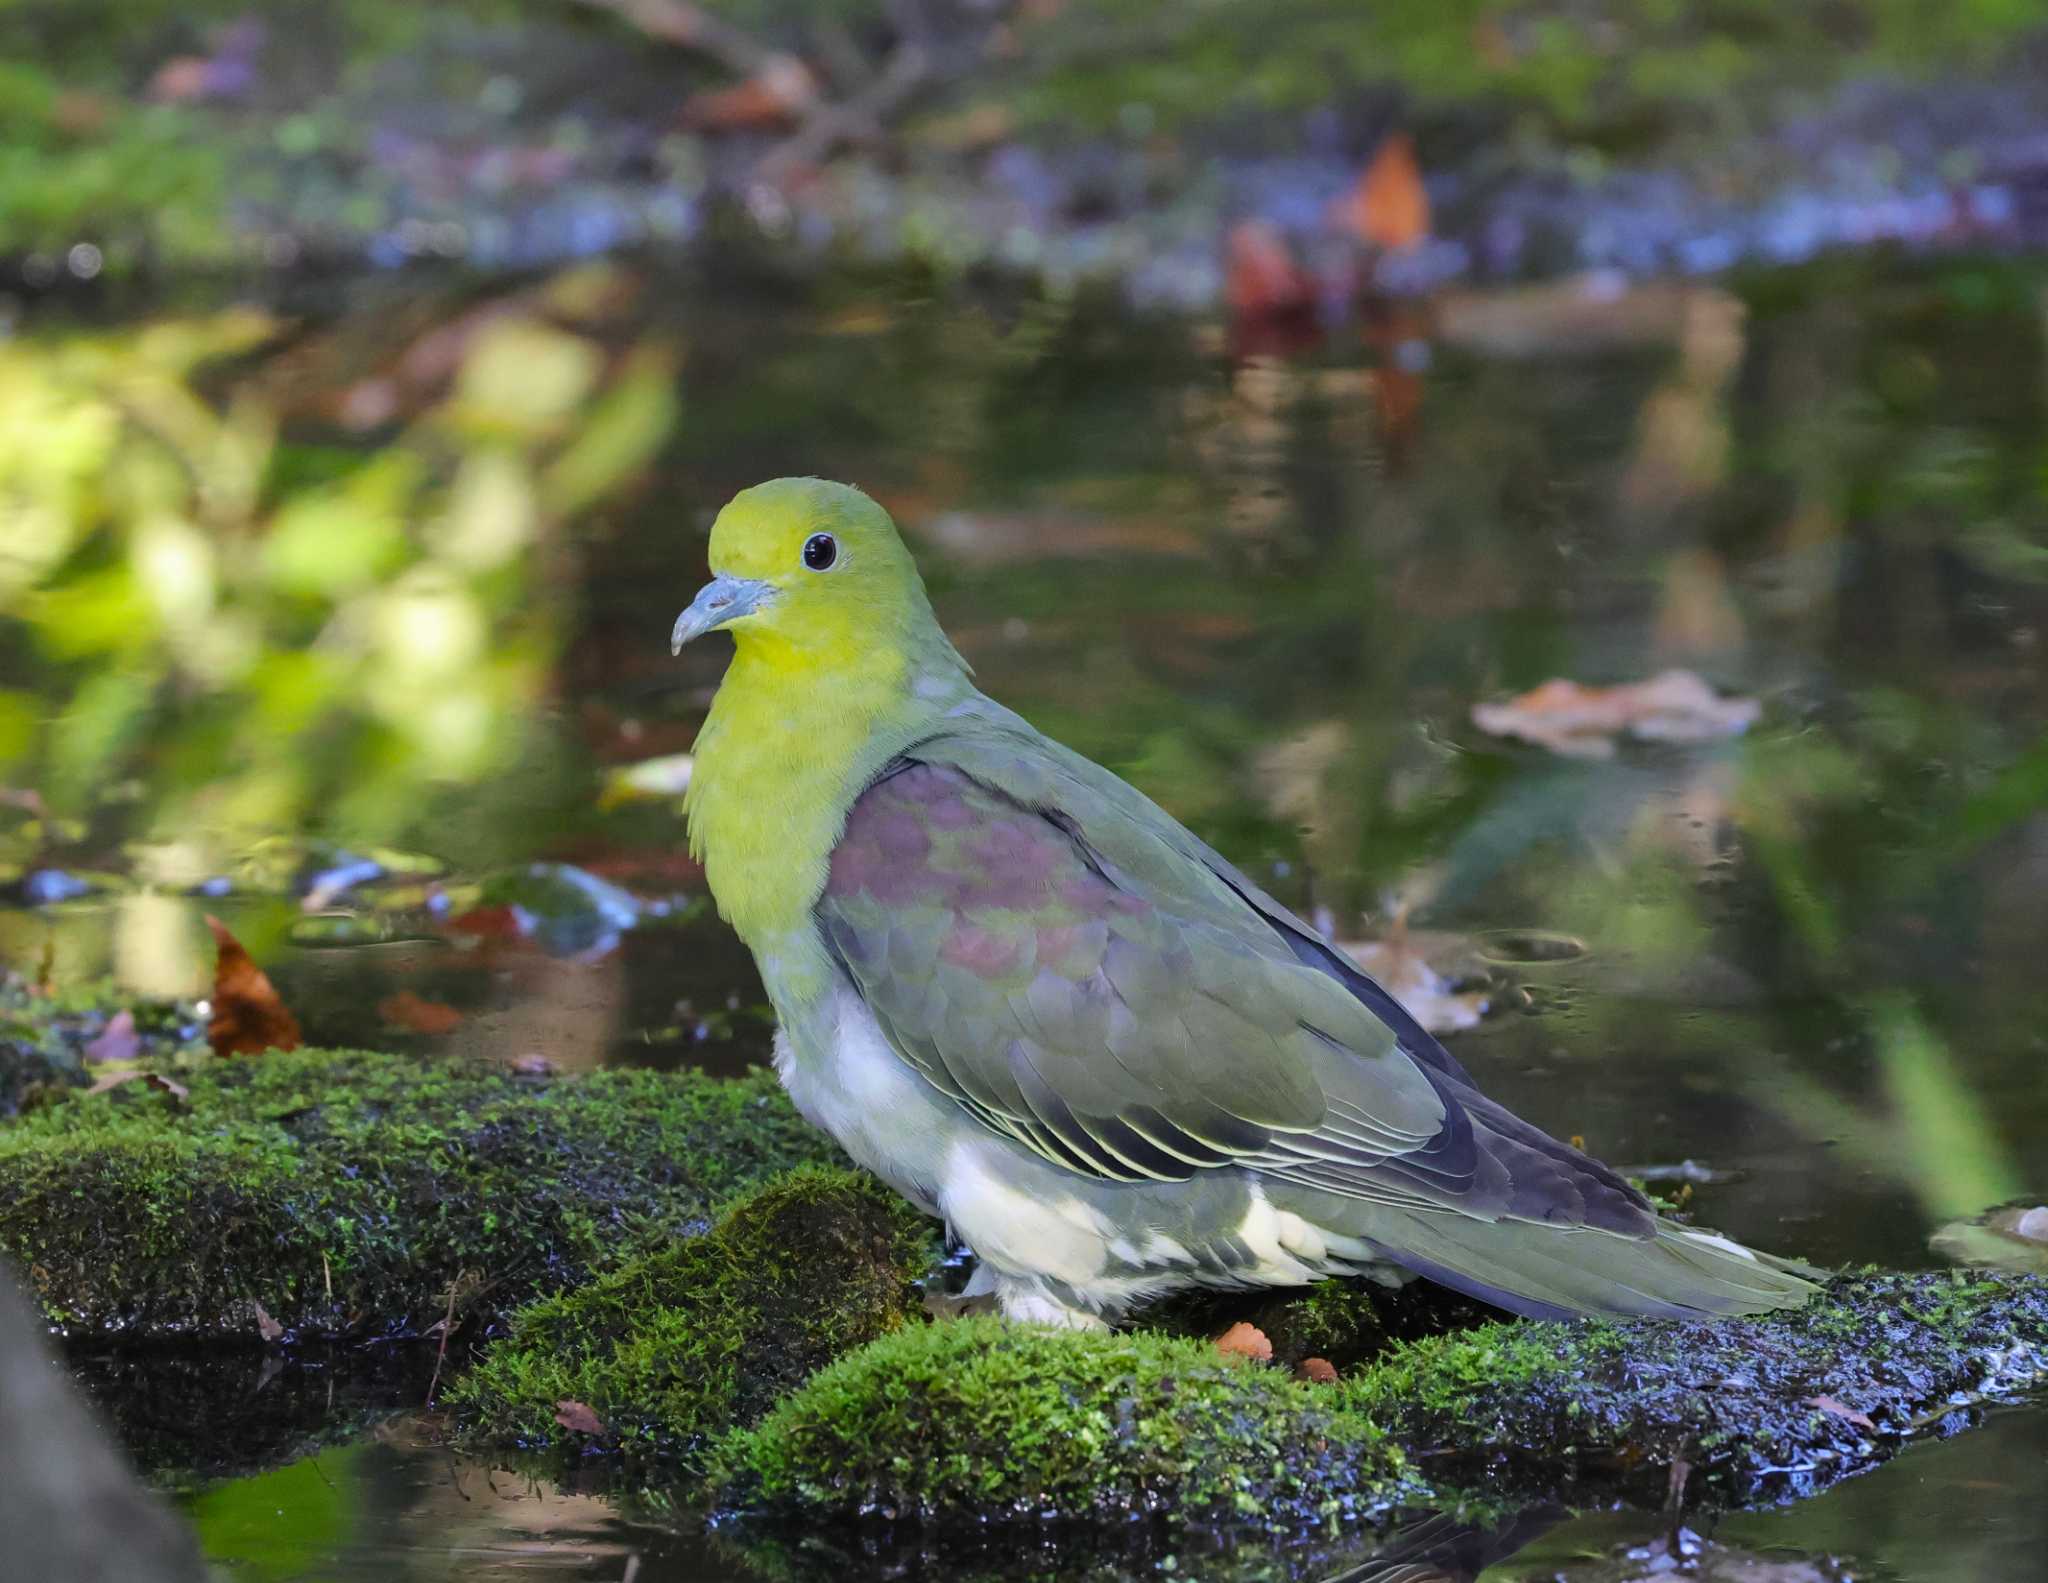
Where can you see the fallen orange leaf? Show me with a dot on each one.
(416, 1014)
(1389, 207)
(1318, 1371)
(248, 1016)
(1245, 1340)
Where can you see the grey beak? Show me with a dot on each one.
(722, 600)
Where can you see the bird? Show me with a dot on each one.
(1024, 995)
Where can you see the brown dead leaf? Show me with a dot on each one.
(122, 1076)
(772, 99)
(1261, 278)
(248, 1016)
(266, 1327)
(1828, 1404)
(1318, 1371)
(1389, 207)
(178, 1092)
(1396, 964)
(416, 1014)
(118, 1041)
(578, 1419)
(1583, 722)
(1245, 1340)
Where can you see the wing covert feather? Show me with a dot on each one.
(1051, 951)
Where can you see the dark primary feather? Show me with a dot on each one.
(1084, 977)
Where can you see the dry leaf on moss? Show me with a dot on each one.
(578, 1419)
(1245, 1340)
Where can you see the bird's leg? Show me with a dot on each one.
(978, 1296)
(1028, 1303)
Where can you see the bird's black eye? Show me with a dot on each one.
(820, 551)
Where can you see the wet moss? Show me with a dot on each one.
(346, 1193)
(970, 1422)
(694, 1338)
(976, 1420)
(1759, 1409)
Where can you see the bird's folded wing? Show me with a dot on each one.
(1052, 952)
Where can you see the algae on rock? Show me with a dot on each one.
(708, 1332)
(349, 1193)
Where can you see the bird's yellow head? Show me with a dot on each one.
(812, 571)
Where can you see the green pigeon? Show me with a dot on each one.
(1019, 991)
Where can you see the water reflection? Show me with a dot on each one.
(400, 1511)
(400, 583)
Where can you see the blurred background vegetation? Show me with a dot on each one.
(213, 132)
(370, 373)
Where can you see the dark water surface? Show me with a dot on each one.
(1268, 584)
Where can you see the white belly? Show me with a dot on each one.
(858, 1089)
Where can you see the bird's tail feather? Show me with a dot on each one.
(1560, 1272)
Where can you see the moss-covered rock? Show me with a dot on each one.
(961, 1423)
(696, 1337)
(346, 1193)
(1760, 1409)
(977, 1420)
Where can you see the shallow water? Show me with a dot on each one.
(1268, 582)
(1961, 1508)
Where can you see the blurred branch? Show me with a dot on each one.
(822, 125)
(858, 120)
(692, 27)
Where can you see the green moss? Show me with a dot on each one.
(696, 1337)
(345, 1193)
(1616, 1403)
(978, 1420)
(963, 1423)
